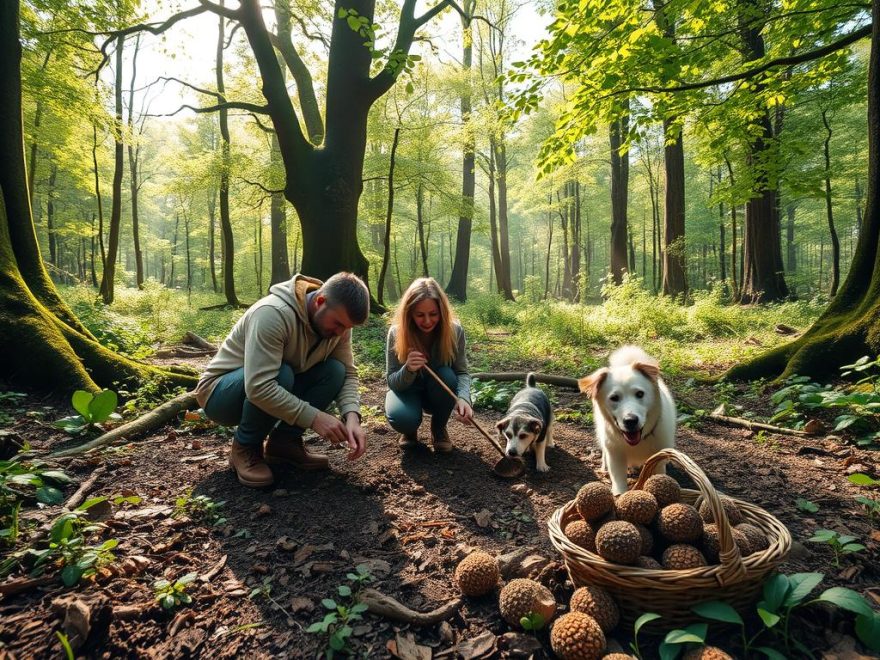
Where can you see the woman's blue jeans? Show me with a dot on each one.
(404, 409)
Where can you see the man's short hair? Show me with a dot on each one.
(348, 290)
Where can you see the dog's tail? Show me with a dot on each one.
(530, 379)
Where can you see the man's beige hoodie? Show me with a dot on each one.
(276, 329)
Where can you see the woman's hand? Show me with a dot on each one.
(415, 361)
(464, 411)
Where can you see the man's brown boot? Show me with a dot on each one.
(249, 466)
(284, 448)
(408, 440)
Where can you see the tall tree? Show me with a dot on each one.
(108, 277)
(134, 181)
(619, 187)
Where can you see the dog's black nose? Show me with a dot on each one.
(511, 452)
(631, 422)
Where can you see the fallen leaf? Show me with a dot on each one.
(285, 543)
(404, 646)
(77, 615)
(814, 427)
(478, 647)
(300, 604)
(483, 517)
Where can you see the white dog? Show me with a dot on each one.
(633, 411)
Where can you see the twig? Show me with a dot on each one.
(382, 605)
(749, 424)
(210, 575)
(77, 498)
(142, 424)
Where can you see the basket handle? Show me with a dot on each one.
(731, 560)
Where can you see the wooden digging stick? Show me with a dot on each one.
(473, 419)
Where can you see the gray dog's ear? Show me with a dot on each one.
(652, 371)
(500, 425)
(534, 426)
(590, 384)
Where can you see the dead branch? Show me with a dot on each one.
(510, 377)
(193, 339)
(20, 586)
(77, 498)
(385, 606)
(143, 424)
(752, 426)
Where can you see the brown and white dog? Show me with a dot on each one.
(633, 411)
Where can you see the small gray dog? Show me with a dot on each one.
(528, 423)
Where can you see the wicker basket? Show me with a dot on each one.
(672, 593)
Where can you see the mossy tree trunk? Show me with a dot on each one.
(42, 344)
(850, 326)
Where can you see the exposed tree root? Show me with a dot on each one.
(517, 376)
(139, 426)
(385, 606)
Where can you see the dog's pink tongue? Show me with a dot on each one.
(633, 437)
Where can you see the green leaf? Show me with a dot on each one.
(49, 495)
(718, 611)
(860, 479)
(769, 618)
(80, 402)
(186, 579)
(801, 585)
(57, 476)
(774, 592)
(103, 405)
(806, 505)
(846, 599)
(336, 642)
(525, 622)
(695, 632)
(669, 651)
(868, 630)
(68, 651)
(71, 574)
(359, 608)
(344, 590)
(316, 627)
(773, 654)
(852, 547)
(89, 503)
(329, 603)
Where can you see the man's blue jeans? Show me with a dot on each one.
(404, 409)
(229, 406)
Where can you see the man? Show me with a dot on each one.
(280, 367)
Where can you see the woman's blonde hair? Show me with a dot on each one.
(407, 339)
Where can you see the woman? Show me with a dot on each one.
(425, 333)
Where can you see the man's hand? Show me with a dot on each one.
(464, 411)
(357, 437)
(330, 428)
(415, 360)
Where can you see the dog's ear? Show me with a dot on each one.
(590, 384)
(501, 425)
(652, 371)
(534, 426)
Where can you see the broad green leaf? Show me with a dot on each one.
(315, 628)
(774, 592)
(329, 603)
(846, 599)
(806, 505)
(344, 590)
(860, 479)
(102, 405)
(57, 476)
(718, 611)
(852, 547)
(49, 495)
(868, 630)
(669, 651)
(693, 633)
(71, 574)
(80, 402)
(801, 585)
(337, 643)
(769, 618)
(89, 503)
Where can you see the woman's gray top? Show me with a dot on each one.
(400, 378)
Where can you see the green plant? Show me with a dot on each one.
(199, 507)
(336, 624)
(674, 642)
(806, 505)
(841, 544)
(68, 549)
(871, 507)
(65, 644)
(492, 394)
(9, 406)
(781, 595)
(645, 618)
(92, 408)
(173, 595)
(533, 621)
(18, 480)
(864, 480)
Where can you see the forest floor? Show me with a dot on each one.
(274, 555)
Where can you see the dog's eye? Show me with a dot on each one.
(615, 397)
(639, 394)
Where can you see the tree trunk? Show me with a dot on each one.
(674, 255)
(457, 287)
(50, 215)
(850, 326)
(134, 184)
(44, 350)
(386, 250)
(495, 263)
(549, 245)
(108, 277)
(225, 220)
(212, 242)
(420, 222)
(722, 252)
(619, 185)
(503, 231)
(835, 242)
(280, 260)
(763, 280)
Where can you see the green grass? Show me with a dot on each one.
(556, 337)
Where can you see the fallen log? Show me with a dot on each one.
(756, 426)
(385, 606)
(518, 376)
(193, 339)
(143, 424)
